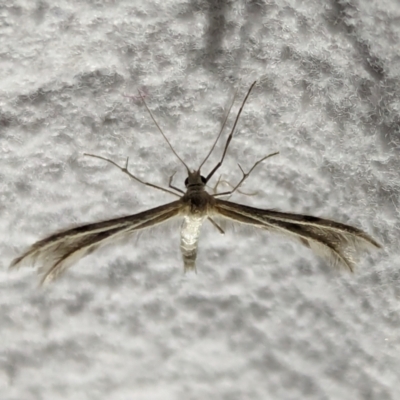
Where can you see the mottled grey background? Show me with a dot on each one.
(264, 318)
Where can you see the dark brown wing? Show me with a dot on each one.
(334, 240)
(59, 251)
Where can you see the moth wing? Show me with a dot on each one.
(60, 250)
(337, 242)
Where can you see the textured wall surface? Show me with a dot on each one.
(264, 318)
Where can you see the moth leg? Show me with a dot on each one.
(125, 170)
(214, 189)
(221, 231)
(174, 187)
(245, 175)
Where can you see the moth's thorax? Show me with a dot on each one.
(198, 202)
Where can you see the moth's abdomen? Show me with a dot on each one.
(190, 232)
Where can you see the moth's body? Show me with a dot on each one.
(197, 206)
(335, 240)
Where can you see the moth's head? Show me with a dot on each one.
(195, 178)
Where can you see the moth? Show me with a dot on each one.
(338, 242)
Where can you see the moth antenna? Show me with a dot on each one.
(222, 127)
(162, 133)
(231, 134)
